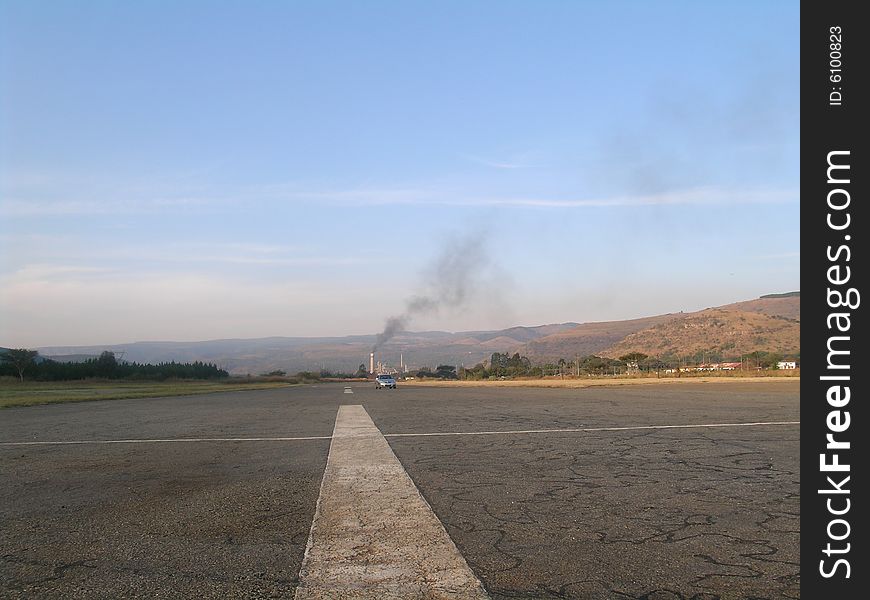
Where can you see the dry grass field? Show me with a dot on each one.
(771, 377)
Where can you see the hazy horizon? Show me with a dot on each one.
(293, 170)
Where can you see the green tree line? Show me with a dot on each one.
(23, 364)
(507, 365)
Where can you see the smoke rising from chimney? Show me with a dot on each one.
(450, 281)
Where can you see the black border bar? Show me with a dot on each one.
(834, 169)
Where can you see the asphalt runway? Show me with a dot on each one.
(657, 513)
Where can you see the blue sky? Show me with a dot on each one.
(198, 170)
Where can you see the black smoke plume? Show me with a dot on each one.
(449, 282)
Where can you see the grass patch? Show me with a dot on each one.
(28, 393)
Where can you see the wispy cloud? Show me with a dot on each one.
(498, 164)
(123, 263)
(76, 259)
(57, 272)
(301, 261)
(231, 200)
(697, 196)
(12, 208)
(241, 253)
(694, 196)
(19, 208)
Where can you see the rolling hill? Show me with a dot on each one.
(589, 338)
(728, 333)
(775, 305)
(770, 323)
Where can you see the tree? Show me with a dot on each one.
(106, 364)
(308, 376)
(498, 363)
(599, 365)
(505, 364)
(635, 357)
(445, 372)
(651, 363)
(20, 358)
(476, 372)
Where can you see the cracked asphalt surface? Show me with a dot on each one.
(656, 514)
(191, 520)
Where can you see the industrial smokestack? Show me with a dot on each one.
(372, 362)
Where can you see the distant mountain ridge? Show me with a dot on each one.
(769, 323)
(291, 354)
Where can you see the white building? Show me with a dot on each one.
(786, 364)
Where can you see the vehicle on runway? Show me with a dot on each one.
(385, 381)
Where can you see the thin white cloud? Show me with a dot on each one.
(497, 164)
(22, 208)
(230, 200)
(238, 253)
(779, 255)
(33, 193)
(51, 271)
(18, 208)
(88, 272)
(246, 247)
(254, 260)
(32, 257)
(694, 196)
(365, 196)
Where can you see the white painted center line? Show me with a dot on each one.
(373, 535)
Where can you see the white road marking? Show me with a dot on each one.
(587, 429)
(168, 441)
(373, 535)
(419, 434)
